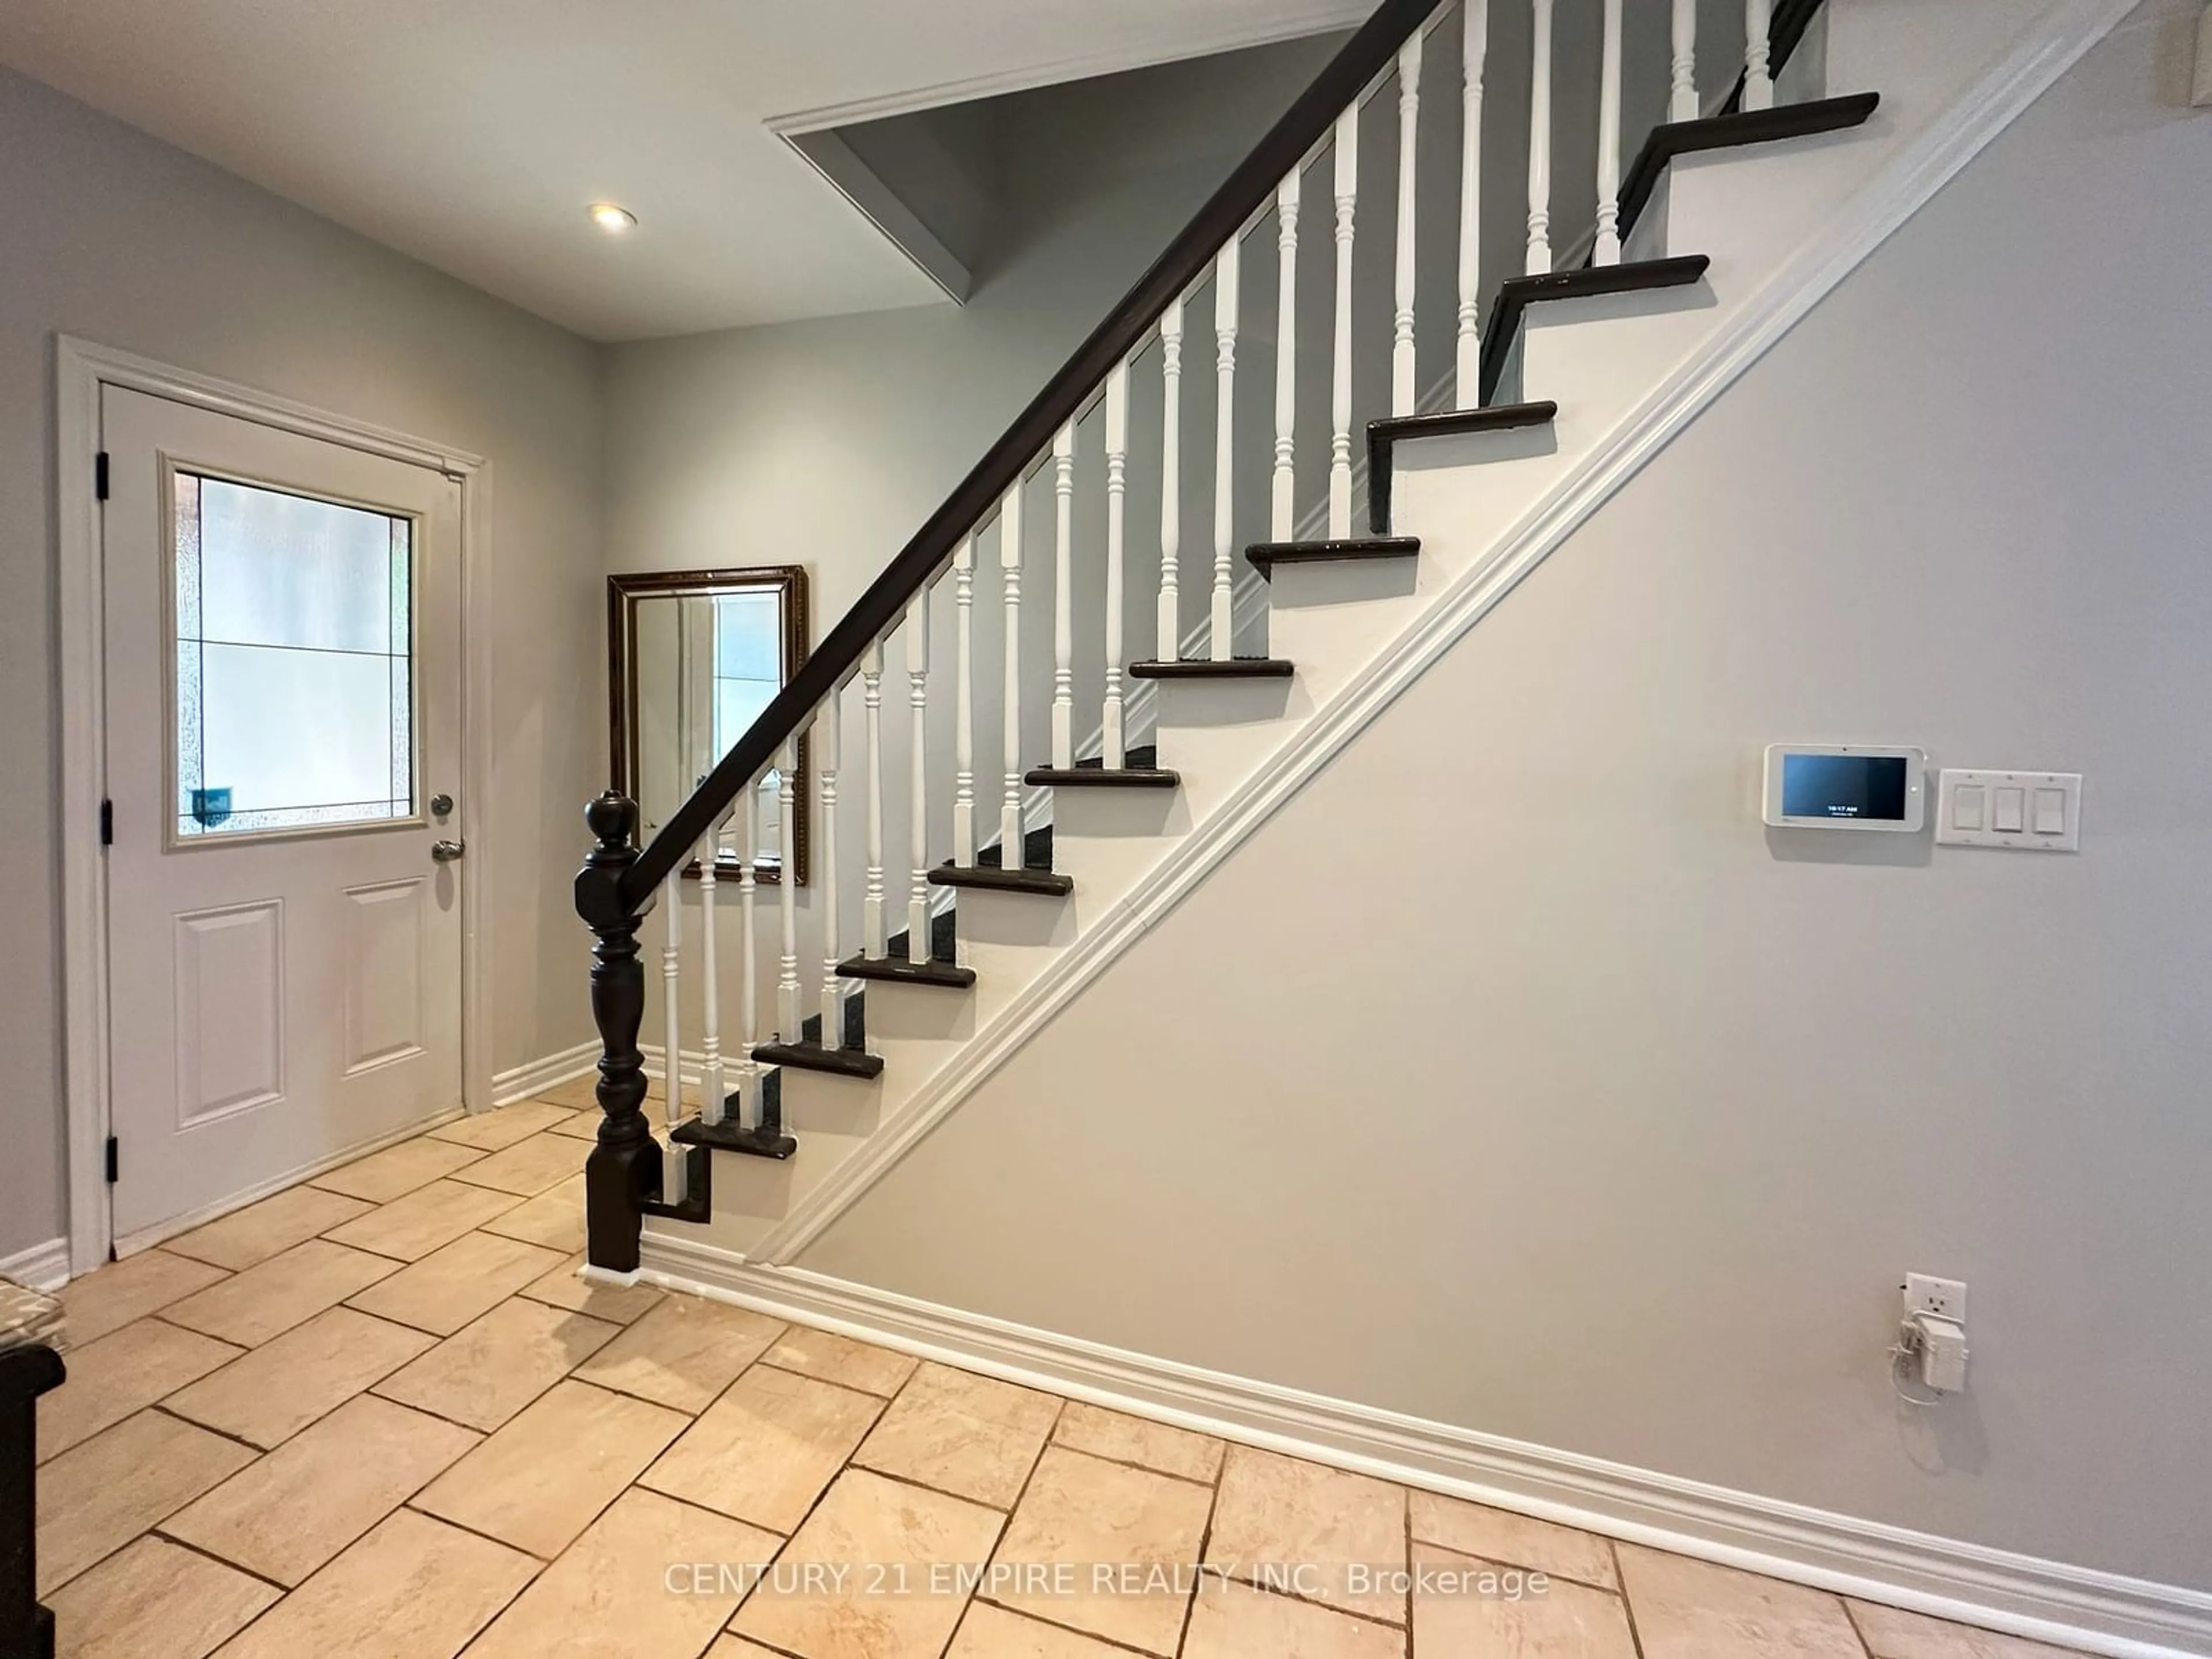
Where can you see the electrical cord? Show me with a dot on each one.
(1907, 1347)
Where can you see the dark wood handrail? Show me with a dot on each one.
(1247, 190)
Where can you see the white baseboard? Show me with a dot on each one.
(521, 1082)
(2094, 1612)
(43, 1266)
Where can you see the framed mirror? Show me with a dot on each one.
(693, 658)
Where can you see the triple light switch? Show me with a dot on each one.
(2033, 812)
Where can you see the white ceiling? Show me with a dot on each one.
(472, 134)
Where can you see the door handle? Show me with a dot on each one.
(447, 851)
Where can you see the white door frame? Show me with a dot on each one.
(80, 369)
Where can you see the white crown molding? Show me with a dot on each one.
(521, 1082)
(1202, 40)
(1922, 166)
(2045, 1601)
(43, 1266)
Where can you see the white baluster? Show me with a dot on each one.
(749, 1096)
(1473, 43)
(1169, 645)
(1340, 402)
(1284, 504)
(1539, 145)
(1606, 249)
(674, 1165)
(1409, 116)
(827, 722)
(787, 993)
(1117, 450)
(874, 934)
(1010, 567)
(711, 1095)
(963, 694)
(1757, 82)
(917, 675)
(1063, 597)
(1682, 101)
(1226, 272)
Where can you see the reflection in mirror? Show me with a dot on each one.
(695, 656)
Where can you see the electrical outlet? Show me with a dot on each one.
(1945, 1299)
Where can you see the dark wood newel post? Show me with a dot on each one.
(624, 1170)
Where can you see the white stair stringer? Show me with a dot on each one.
(1783, 224)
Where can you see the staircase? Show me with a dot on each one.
(1566, 375)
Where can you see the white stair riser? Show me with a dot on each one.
(1027, 921)
(1503, 474)
(1112, 814)
(1597, 358)
(750, 1194)
(1746, 210)
(1107, 867)
(899, 1012)
(1108, 839)
(821, 1102)
(1330, 619)
(1216, 733)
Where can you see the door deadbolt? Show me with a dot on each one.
(441, 806)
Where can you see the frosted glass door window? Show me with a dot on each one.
(294, 634)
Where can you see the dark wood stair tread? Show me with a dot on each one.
(770, 1141)
(904, 972)
(1516, 293)
(1391, 428)
(1761, 126)
(813, 1057)
(1203, 668)
(1492, 418)
(1264, 557)
(1102, 777)
(1048, 883)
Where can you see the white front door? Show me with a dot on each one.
(283, 692)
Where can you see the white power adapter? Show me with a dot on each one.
(1940, 1346)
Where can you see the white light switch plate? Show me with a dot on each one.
(2030, 811)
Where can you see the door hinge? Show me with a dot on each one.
(114, 1160)
(108, 823)
(100, 476)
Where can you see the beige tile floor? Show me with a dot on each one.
(379, 1417)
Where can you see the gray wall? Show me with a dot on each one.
(116, 238)
(1515, 1078)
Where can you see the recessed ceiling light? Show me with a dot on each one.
(611, 219)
